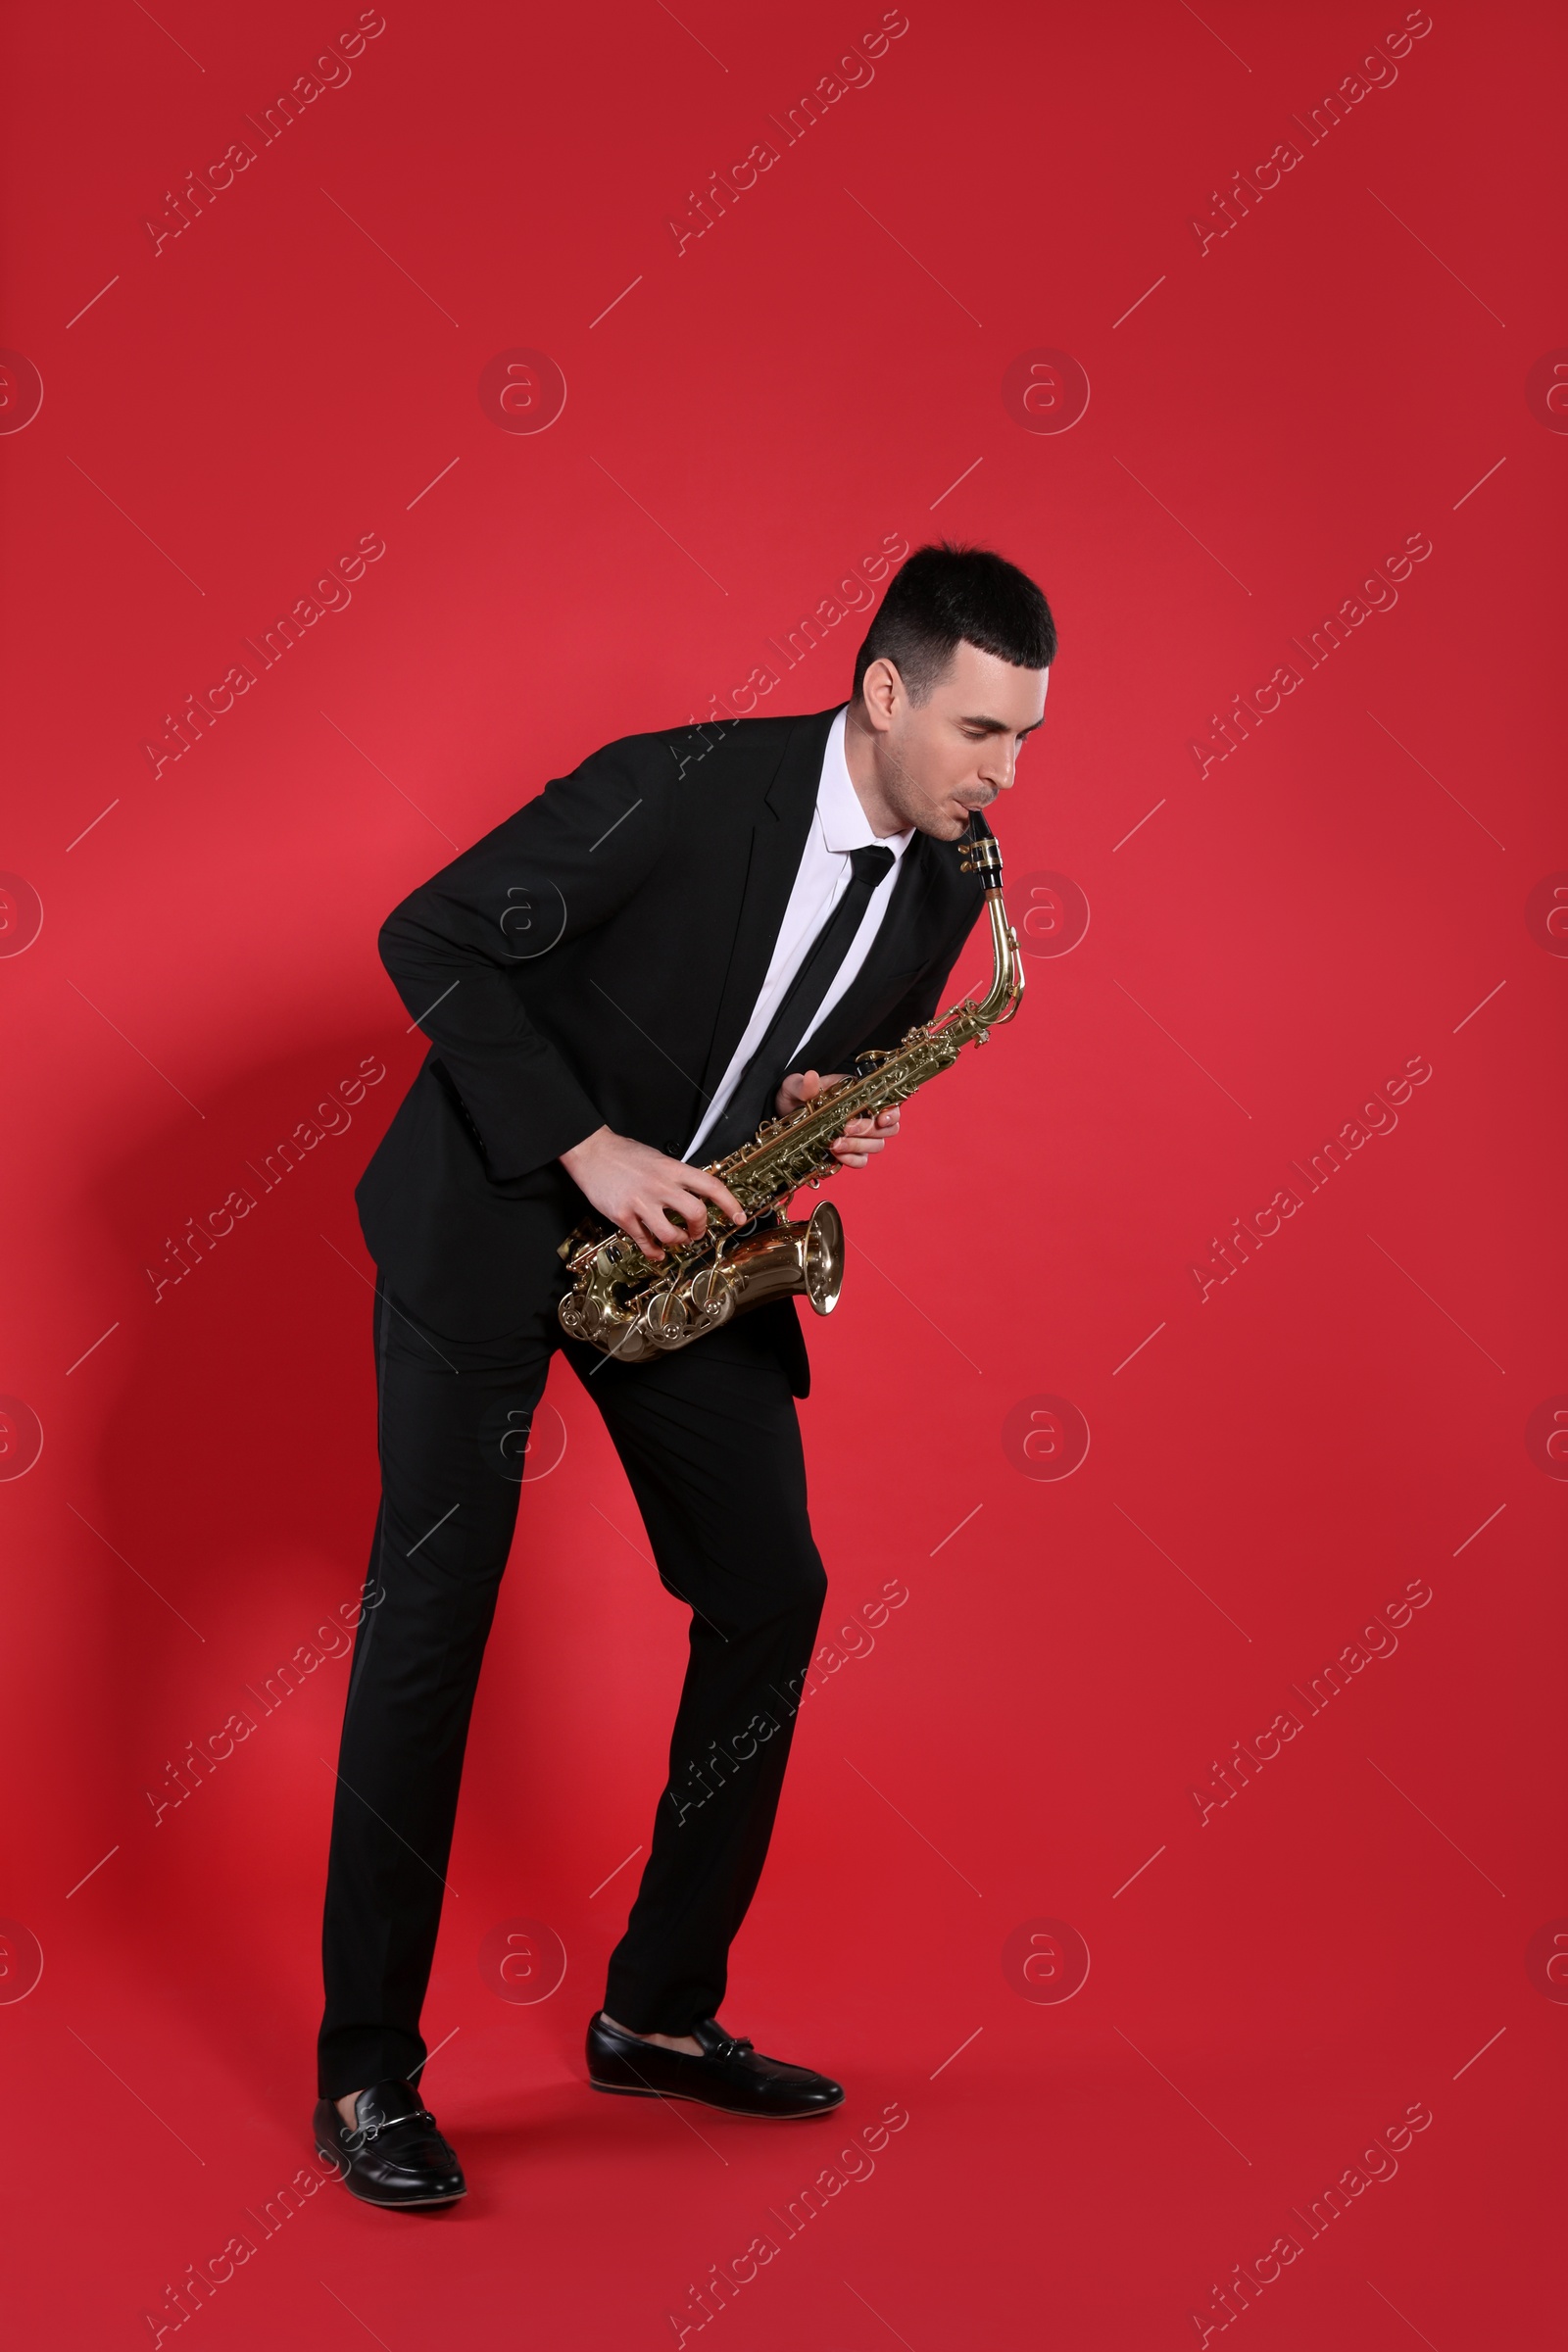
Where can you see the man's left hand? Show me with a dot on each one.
(861, 1138)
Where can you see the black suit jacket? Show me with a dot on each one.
(594, 962)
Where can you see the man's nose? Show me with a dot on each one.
(998, 765)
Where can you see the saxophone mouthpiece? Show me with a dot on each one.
(981, 855)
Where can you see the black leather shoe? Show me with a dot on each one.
(729, 2074)
(393, 2154)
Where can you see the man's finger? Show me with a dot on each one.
(698, 1180)
(690, 1206)
(659, 1227)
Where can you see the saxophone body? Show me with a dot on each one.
(625, 1306)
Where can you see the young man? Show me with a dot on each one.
(623, 980)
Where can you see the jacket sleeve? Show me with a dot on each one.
(559, 867)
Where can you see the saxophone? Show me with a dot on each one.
(627, 1306)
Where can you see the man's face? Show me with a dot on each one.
(940, 759)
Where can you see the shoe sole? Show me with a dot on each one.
(386, 2204)
(756, 2115)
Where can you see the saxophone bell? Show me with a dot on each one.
(781, 1261)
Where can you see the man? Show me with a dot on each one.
(629, 974)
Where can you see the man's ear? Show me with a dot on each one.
(881, 691)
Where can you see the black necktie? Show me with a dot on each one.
(759, 1083)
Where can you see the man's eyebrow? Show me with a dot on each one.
(999, 726)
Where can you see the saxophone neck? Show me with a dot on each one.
(981, 853)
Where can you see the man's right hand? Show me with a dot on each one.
(638, 1188)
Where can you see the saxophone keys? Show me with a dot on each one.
(667, 1321)
(713, 1295)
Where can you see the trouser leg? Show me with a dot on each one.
(453, 1418)
(710, 1440)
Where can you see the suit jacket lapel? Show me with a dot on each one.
(902, 945)
(772, 861)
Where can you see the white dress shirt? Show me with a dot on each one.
(838, 825)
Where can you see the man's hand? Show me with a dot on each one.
(641, 1191)
(860, 1138)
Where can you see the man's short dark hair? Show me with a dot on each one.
(945, 595)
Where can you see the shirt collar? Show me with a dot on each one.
(843, 822)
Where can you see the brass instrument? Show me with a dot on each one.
(629, 1308)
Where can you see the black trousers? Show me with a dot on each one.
(710, 1444)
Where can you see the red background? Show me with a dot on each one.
(224, 417)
